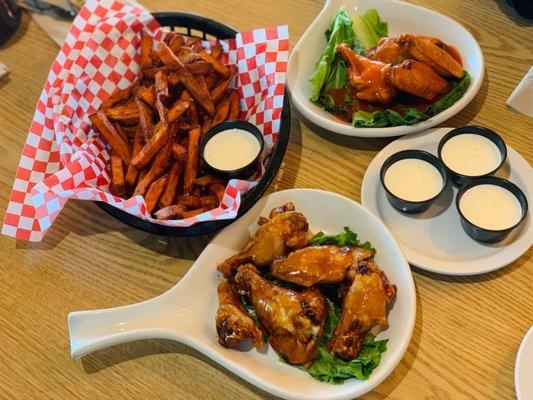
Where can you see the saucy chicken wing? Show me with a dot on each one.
(436, 54)
(293, 320)
(417, 79)
(364, 306)
(368, 77)
(234, 324)
(318, 264)
(285, 229)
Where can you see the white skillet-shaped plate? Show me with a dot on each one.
(186, 313)
(435, 240)
(401, 17)
(523, 370)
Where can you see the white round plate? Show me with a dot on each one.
(523, 370)
(435, 240)
(402, 17)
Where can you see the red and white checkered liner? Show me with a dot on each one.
(63, 158)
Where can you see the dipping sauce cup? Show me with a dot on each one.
(491, 208)
(413, 180)
(471, 152)
(232, 149)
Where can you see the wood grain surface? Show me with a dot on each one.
(467, 331)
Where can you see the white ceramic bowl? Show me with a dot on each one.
(402, 17)
(186, 312)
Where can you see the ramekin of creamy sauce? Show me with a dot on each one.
(413, 179)
(232, 149)
(471, 152)
(491, 208)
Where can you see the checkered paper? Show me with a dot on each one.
(63, 158)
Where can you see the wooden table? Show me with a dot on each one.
(467, 331)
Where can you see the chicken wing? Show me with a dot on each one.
(443, 59)
(417, 79)
(234, 324)
(318, 264)
(368, 77)
(285, 229)
(364, 306)
(293, 320)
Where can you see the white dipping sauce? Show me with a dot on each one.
(231, 149)
(470, 154)
(490, 207)
(413, 179)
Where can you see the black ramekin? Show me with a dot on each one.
(240, 173)
(460, 179)
(407, 206)
(487, 235)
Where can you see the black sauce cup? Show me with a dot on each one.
(246, 170)
(408, 206)
(487, 235)
(459, 179)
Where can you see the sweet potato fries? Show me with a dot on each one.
(155, 125)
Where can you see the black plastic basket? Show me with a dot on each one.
(205, 28)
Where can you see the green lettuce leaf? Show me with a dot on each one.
(369, 29)
(328, 368)
(378, 119)
(340, 31)
(346, 238)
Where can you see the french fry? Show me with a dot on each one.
(179, 152)
(126, 114)
(207, 124)
(222, 111)
(118, 96)
(170, 212)
(150, 72)
(172, 183)
(191, 166)
(177, 109)
(153, 194)
(199, 68)
(146, 48)
(201, 82)
(147, 94)
(132, 172)
(218, 190)
(189, 58)
(205, 180)
(176, 43)
(234, 107)
(209, 202)
(151, 147)
(216, 51)
(218, 91)
(130, 131)
(122, 133)
(217, 65)
(192, 213)
(196, 191)
(211, 80)
(117, 175)
(108, 131)
(161, 94)
(146, 122)
(196, 91)
(194, 43)
(156, 169)
(191, 202)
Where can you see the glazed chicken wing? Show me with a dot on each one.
(285, 229)
(417, 79)
(293, 320)
(434, 53)
(234, 324)
(318, 264)
(364, 306)
(368, 77)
